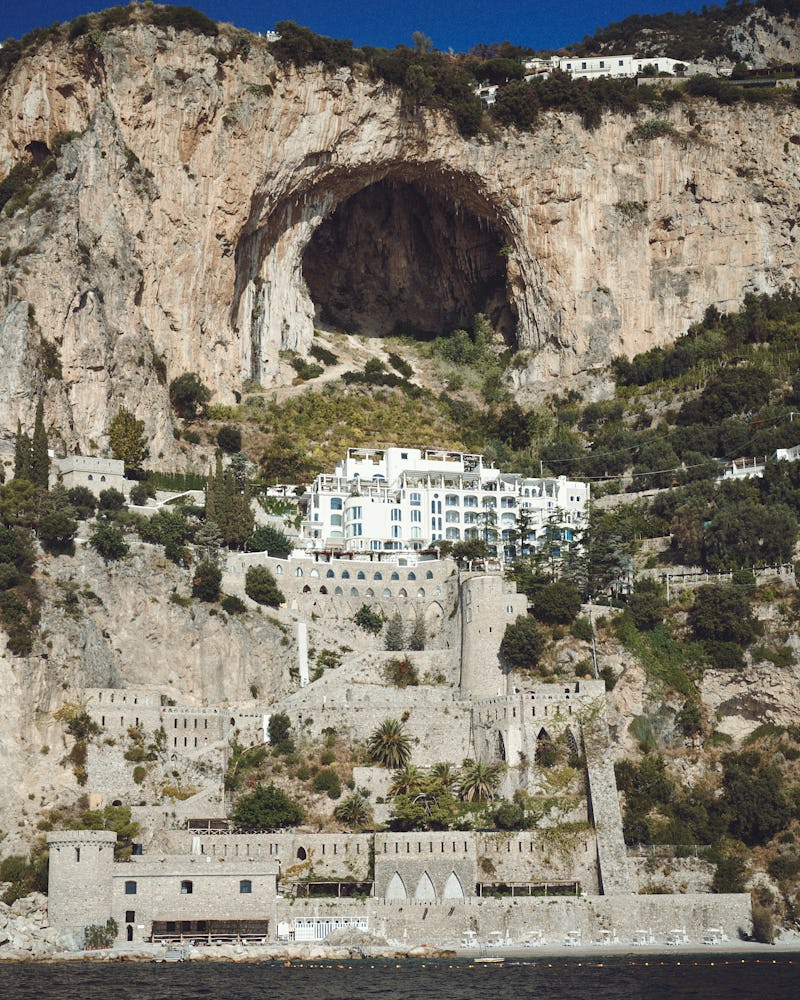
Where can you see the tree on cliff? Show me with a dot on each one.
(260, 586)
(126, 437)
(188, 395)
(107, 541)
(523, 643)
(228, 506)
(40, 459)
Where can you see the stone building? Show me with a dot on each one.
(96, 474)
(158, 896)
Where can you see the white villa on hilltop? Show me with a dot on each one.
(392, 499)
(592, 68)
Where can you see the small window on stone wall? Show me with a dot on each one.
(186, 887)
(130, 888)
(130, 916)
(245, 885)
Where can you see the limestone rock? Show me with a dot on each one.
(177, 230)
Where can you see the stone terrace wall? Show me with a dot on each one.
(336, 590)
(442, 924)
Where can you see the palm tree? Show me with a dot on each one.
(408, 779)
(479, 780)
(354, 811)
(389, 745)
(445, 773)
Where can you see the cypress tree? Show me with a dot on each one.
(40, 460)
(22, 454)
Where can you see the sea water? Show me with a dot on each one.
(634, 977)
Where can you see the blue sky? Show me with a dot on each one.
(457, 25)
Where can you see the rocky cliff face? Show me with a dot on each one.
(193, 225)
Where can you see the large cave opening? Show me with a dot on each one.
(400, 257)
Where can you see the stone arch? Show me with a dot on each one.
(412, 575)
(345, 574)
(434, 614)
(429, 575)
(361, 575)
(395, 576)
(301, 854)
(314, 572)
(396, 889)
(425, 889)
(330, 574)
(421, 592)
(402, 593)
(316, 243)
(572, 744)
(129, 933)
(500, 746)
(369, 592)
(279, 571)
(378, 575)
(306, 589)
(386, 592)
(337, 592)
(323, 589)
(354, 591)
(298, 571)
(453, 888)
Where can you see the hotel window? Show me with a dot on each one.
(416, 499)
(470, 501)
(416, 516)
(416, 532)
(396, 531)
(452, 517)
(397, 514)
(336, 503)
(451, 500)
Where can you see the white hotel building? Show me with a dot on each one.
(382, 500)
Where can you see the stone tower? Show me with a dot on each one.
(80, 877)
(488, 603)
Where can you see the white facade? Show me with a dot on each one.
(592, 67)
(392, 499)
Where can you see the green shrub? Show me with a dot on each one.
(327, 780)
(266, 809)
(323, 355)
(233, 605)
(206, 581)
(280, 733)
(107, 541)
(401, 672)
(654, 128)
(523, 643)
(188, 395)
(260, 586)
(139, 774)
(582, 629)
(269, 539)
(369, 620)
(111, 499)
(229, 438)
(557, 603)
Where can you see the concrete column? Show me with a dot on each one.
(302, 652)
